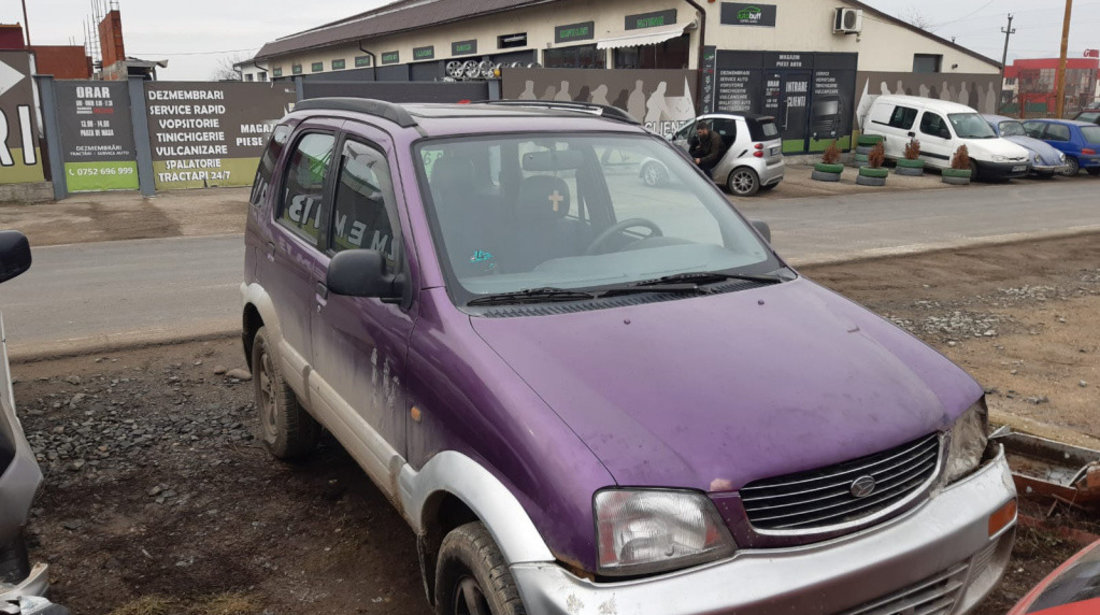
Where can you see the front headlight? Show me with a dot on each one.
(1037, 160)
(646, 531)
(966, 442)
(1062, 158)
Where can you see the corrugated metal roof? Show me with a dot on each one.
(395, 17)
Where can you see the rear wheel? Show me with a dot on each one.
(287, 430)
(1072, 168)
(472, 577)
(743, 181)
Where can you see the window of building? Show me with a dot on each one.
(364, 198)
(261, 76)
(304, 186)
(277, 72)
(903, 117)
(339, 64)
(317, 67)
(248, 77)
(361, 61)
(668, 54)
(927, 63)
(296, 69)
(508, 41)
(581, 56)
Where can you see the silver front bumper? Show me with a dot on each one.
(944, 545)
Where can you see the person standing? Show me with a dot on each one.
(705, 147)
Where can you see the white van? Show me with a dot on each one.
(941, 127)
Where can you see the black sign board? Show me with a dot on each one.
(710, 54)
(651, 20)
(391, 57)
(575, 32)
(424, 53)
(464, 48)
(741, 14)
(98, 135)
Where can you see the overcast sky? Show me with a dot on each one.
(197, 36)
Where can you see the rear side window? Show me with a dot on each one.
(763, 129)
(903, 117)
(304, 186)
(726, 128)
(275, 146)
(1089, 117)
(932, 124)
(1034, 129)
(1057, 132)
(363, 204)
(1091, 133)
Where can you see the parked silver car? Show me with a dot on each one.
(753, 159)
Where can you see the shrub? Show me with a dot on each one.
(877, 156)
(832, 154)
(912, 150)
(961, 159)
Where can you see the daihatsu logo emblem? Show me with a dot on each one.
(862, 486)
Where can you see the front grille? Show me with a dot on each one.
(936, 595)
(823, 497)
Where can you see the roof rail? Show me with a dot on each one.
(378, 108)
(607, 111)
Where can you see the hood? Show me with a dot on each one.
(986, 149)
(1046, 151)
(716, 391)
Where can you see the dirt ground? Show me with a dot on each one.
(159, 500)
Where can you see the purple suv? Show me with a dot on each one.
(588, 395)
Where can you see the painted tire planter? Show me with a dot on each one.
(910, 167)
(872, 177)
(861, 159)
(864, 149)
(827, 172)
(956, 177)
(869, 140)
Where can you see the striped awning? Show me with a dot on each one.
(637, 38)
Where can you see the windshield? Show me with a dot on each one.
(971, 126)
(1012, 128)
(514, 213)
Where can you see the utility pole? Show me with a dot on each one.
(1009, 31)
(1061, 104)
(26, 24)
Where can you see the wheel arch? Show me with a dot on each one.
(258, 311)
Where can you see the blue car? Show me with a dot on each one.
(1043, 159)
(1079, 141)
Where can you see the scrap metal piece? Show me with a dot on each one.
(1048, 470)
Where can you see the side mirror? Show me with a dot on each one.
(362, 273)
(763, 228)
(15, 254)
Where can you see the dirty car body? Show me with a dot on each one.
(619, 395)
(20, 476)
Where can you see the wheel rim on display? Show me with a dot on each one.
(268, 407)
(469, 599)
(742, 181)
(652, 175)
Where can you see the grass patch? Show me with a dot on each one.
(219, 604)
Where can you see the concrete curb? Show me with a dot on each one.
(114, 342)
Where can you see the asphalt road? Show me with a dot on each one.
(83, 296)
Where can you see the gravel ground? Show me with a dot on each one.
(158, 499)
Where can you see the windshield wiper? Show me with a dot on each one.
(533, 295)
(689, 282)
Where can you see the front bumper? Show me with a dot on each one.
(1046, 169)
(944, 545)
(1001, 170)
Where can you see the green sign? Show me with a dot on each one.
(338, 64)
(391, 57)
(296, 69)
(424, 53)
(361, 61)
(97, 176)
(464, 48)
(575, 32)
(741, 14)
(317, 67)
(278, 72)
(651, 20)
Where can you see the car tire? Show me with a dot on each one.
(286, 429)
(743, 181)
(1093, 172)
(1072, 167)
(472, 577)
(654, 175)
(15, 565)
(974, 170)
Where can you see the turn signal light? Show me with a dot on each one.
(1002, 517)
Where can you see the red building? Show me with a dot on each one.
(1034, 83)
(61, 61)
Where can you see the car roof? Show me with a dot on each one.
(946, 106)
(993, 117)
(1055, 120)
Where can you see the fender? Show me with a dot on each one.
(491, 501)
(255, 295)
(294, 366)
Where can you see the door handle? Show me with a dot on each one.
(321, 295)
(911, 134)
(271, 251)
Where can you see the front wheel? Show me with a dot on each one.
(743, 181)
(472, 577)
(1072, 168)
